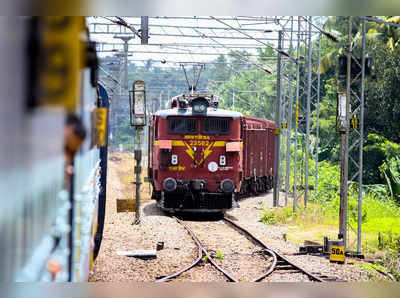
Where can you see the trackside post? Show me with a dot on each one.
(137, 102)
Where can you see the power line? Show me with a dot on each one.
(189, 45)
(237, 53)
(180, 26)
(256, 39)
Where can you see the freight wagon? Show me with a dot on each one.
(258, 154)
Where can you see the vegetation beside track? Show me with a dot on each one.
(380, 214)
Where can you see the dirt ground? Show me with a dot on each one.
(123, 166)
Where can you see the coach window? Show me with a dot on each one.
(216, 126)
(180, 125)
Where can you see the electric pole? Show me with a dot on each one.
(126, 40)
(278, 124)
(308, 112)
(296, 123)
(344, 143)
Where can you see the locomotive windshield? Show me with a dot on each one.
(181, 125)
(216, 126)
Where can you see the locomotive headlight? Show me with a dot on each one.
(174, 159)
(222, 160)
(227, 186)
(170, 184)
(199, 108)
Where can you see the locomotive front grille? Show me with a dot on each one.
(200, 201)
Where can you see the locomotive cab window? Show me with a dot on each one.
(181, 125)
(216, 126)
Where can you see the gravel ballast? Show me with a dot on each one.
(240, 257)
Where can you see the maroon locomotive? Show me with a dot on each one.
(202, 158)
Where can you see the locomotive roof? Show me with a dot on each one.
(211, 112)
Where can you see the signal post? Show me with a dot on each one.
(137, 103)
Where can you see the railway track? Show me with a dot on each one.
(279, 262)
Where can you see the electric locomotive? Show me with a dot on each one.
(196, 157)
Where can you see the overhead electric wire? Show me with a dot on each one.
(109, 75)
(243, 18)
(235, 52)
(183, 26)
(326, 33)
(179, 53)
(237, 96)
(256, 39)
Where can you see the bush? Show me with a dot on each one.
(268, 218)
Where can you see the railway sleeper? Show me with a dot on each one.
(331, 278)
(285, 267)
(286, 272)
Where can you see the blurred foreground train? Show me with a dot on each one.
(201, 158)
(53, 128)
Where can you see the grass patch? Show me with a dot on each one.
(219, 255)
(380, 218)
(380, 230)
(321, 219)
(373, 271)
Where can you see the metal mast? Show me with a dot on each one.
(361, 142)
(297, 116)
(278, 125)
(308, 112)
(317, 113)
(344, 143)
(290, 116)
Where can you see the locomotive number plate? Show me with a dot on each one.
(198, 143)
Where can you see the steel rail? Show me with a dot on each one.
(200, 254)
(201, 250)
(263, 245)
(278, 255)
(271, 268)
(272, 253)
